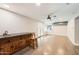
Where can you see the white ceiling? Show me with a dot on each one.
(61, 10)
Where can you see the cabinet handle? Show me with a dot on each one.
(8, 40)
(12, 46)
(0, 49)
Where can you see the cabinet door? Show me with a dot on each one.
(15, 45)
(5, 49)
(33, 43)
(25, 41)
(22, 43)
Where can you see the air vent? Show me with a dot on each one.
(61, 23)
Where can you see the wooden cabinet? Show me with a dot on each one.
(5, 49)
(11, 45)
(33, 43)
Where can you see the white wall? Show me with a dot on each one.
(71, 30)
(60, 30)
(15, 24)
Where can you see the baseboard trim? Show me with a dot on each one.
(75, 44)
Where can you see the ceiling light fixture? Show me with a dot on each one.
(67, 3)
(38, 4)
(5, 5)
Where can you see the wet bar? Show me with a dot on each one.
(12, 43)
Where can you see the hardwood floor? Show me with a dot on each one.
(52, 45)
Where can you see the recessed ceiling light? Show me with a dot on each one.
(5, 5)
(67, 3)
(38, 4)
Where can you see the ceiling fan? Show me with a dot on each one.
(49, 17)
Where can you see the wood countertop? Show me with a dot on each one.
(13, 35)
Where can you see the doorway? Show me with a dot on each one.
(77, 30)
